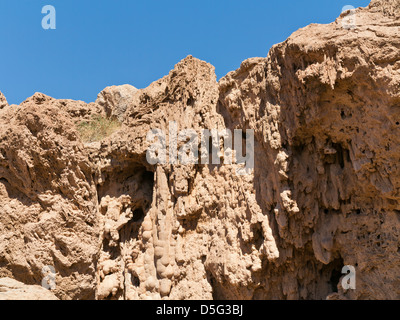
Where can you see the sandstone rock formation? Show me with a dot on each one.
(3, 101)
(324, 193)
(11, 289)
(387, 7)
(115, 100)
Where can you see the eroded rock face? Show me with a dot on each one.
(11, 289)
(115, 100)
(387, 7)
(324, 193)
(3, 101)
(47, 199)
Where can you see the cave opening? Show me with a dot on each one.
(138, 215)
(128, 178)
(336, 274)
(135, 281)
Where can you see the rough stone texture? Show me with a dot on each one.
(387, 7)
(3, 101)
(11, 289)
(324, 193)
(115, 100)
(47, 199)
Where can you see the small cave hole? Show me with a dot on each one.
(190, 101)
(341, 155)
(334, 280)
(148, 176)
(217, 289)
(135, 281)
(62, 248)
(336, 274)
(138, 215)
(258, 235)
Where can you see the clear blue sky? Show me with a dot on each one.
(99, 43)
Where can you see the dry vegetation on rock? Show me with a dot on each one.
(97, 128)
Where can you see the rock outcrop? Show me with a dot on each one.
(387, 7)
(3, 101)
(115, 100)
(11, 289)
(324, 107)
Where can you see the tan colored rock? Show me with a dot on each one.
(47, 199)
(324, 191)
(11, 289)
(3, 101)
(387, 7)
(115, 100)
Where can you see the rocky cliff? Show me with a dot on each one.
(324, 107)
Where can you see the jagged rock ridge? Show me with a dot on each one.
(325, 109)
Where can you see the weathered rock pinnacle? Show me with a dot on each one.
(3, 101)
